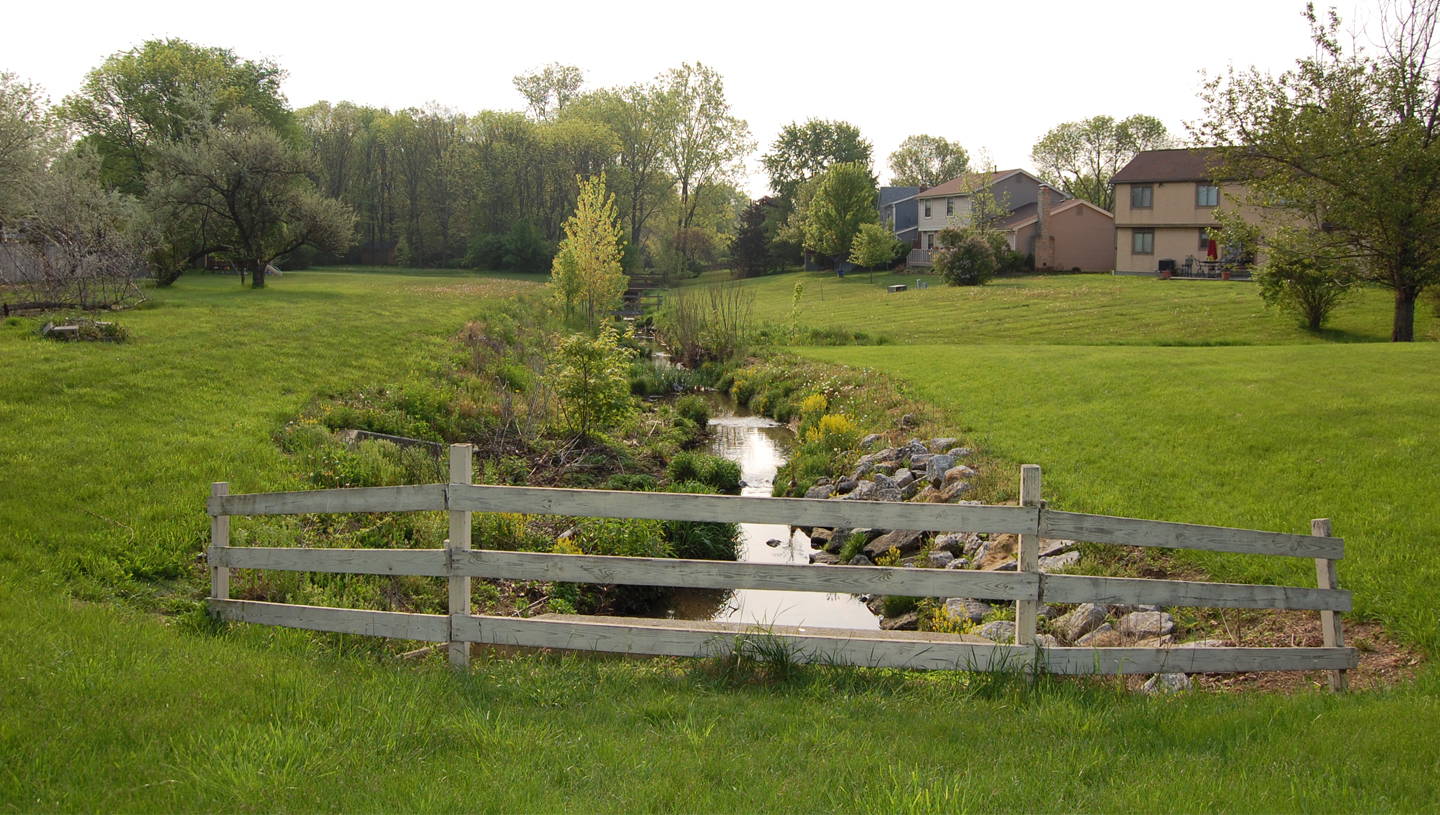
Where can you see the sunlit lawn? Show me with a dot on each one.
(106, 704)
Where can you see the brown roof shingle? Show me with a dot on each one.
(1185, 164)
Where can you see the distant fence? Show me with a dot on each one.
(1026, 586)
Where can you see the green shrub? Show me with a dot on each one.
(591, 382)
(969, 257)
(852, 547)
(694, 408)
(638, 482)
(701, 540)
(713, 471)
(896, 605)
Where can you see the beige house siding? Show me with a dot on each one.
(1174, 217)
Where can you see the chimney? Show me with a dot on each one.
(1044, 241)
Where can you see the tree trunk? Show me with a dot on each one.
(1403, 328)
(258, 279)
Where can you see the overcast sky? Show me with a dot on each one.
(993, 75)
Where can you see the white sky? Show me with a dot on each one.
(993, 75)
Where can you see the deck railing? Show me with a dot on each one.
(1027, 587)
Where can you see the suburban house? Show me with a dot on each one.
(1165, 202)
(1085, 239)
(900, 212)
(1073, 234)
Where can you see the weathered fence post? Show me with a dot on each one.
(219, 536)
(1027, 556)
(460, 458)
(1330, 626)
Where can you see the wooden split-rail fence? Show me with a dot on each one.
(1027, 587)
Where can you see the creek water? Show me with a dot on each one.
(760, 446)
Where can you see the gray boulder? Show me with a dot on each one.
(940, 445)
(1059, 562)
(861, 560)
(823, 559)
(906, 540)
(1001, 631)
(870, 440)
(938, 560)
(1046, 641)
(958, 473)
(1166, 683)
(1103, 637)
(935, 468)
(965, 608)
(1147, 624)
(903, 477)
(960, 452)
(846, 485)
(884, 482)
(819, 538)
(890, 494)
(819, 491)
(1085, 618)
(864, 491)
(952, 542)
(909, 621)
(952, 493)
(958, 563)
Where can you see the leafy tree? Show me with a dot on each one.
(875, 246)
(251, 190)
(161, 93)
(592, 381)
(927, 161)
(25, 142)
(1081, 157)
(750, 253)
(548, 89)
(587, 268)
(88, 241)
(804, 151)
(707, 146)
(1348, 144)
(642, 118)
(844, 199)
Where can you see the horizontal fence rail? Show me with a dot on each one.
(719, 574)
(1027, 587)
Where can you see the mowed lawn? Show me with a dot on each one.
(1256, 437)
(1088, 309)
(105, 705)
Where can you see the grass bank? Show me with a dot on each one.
(1067, 309)
(109, 450)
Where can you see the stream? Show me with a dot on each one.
(760, 446)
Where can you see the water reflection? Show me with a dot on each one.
(760, 446)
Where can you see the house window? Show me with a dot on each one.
(1204, 240)
(949, 206)
(1143, 241)
(929, 239)
(927, 209)
(1207, 195)
(1141, 197)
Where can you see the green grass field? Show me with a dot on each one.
(1062, 310)
(108, 705)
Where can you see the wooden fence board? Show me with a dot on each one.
(398, 625)
(637, 637)
(1057, 588)
(412, 498)
(1136, 532)
(748, 509)
(715, 574)
(425, 562)
(1179, 659)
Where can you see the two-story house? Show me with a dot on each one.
(900, 213)
(1084, 238)
(1165, 203)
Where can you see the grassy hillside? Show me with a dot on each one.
(1261, 437)
(1063, 310)
(109, 450)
